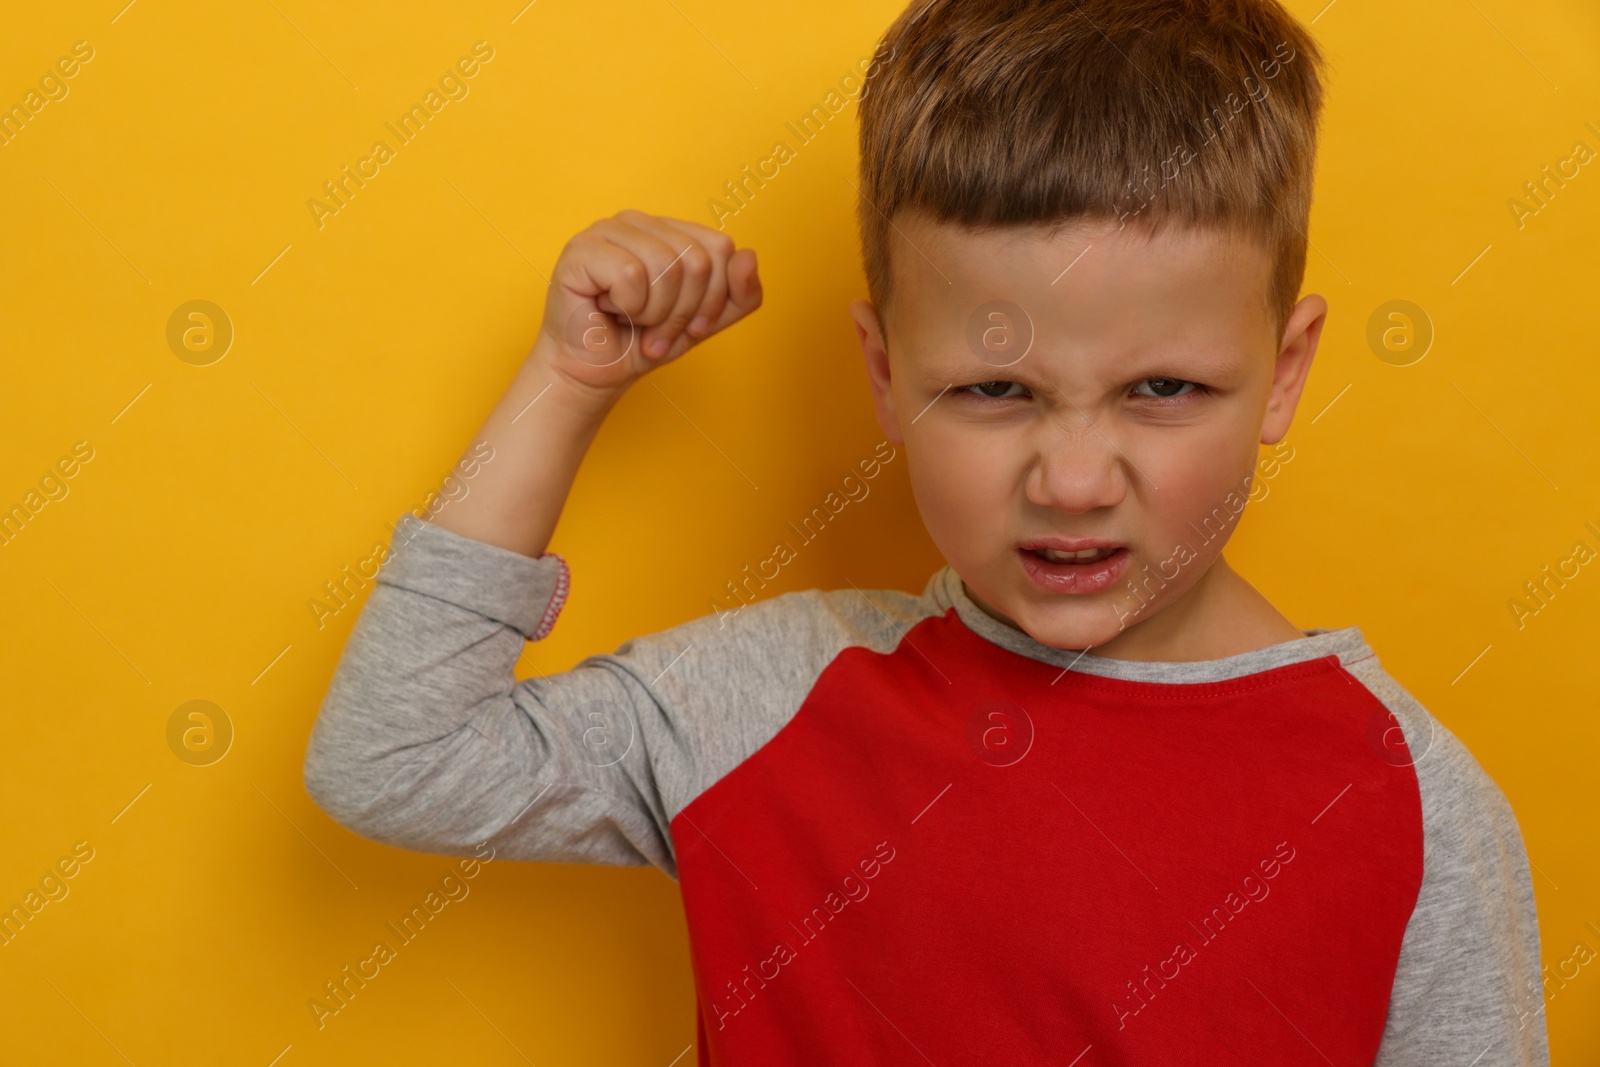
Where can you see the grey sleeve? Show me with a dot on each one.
(1467, 988)
(426, 741)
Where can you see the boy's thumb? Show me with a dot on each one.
(744, 281)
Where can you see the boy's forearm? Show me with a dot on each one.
(539, 431)
(627, 294)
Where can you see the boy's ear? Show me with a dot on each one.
(1300, 336)
(869, 331)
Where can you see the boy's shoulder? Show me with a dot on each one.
(1450, 777)
(810, 626)
(877, 616)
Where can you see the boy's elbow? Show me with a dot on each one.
(345, 778)
(422, 798)
(328, 782)
(340, 791)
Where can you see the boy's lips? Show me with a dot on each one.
(1072, 565)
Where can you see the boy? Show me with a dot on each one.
(1089, 798)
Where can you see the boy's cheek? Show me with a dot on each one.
(965, 498)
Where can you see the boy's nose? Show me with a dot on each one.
(1076, 466)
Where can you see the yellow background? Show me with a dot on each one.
(180, 565)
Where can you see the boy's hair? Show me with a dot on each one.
(1037, 112)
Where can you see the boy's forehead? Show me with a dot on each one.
(1092, 275)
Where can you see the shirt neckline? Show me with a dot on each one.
(946, 591)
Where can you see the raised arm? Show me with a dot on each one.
(628, 294)
(425, 740)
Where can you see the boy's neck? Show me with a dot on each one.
(1220, 615)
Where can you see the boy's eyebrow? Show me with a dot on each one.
(1214, 362)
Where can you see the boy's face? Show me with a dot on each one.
(1095, 385)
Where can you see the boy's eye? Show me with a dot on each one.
(1164, 388)
(996, 390)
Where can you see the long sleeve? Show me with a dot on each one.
(1467, 986)
(425, 740)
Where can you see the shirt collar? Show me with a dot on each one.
(946, 591)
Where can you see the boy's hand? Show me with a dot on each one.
(635, 291)
(619, 287)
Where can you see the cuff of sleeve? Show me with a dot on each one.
(523, 592)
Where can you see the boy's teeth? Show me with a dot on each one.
(1087, 555)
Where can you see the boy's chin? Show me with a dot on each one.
(1068, 623)
(1075, 626)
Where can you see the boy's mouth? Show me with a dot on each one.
(1083, 565)
(1087, 555)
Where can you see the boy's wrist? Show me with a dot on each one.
(538, 435)
(549, 364)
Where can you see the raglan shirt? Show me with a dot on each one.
(906, 833)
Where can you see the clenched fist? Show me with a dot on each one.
(636, 290)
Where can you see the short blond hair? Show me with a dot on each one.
(1023, 112)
